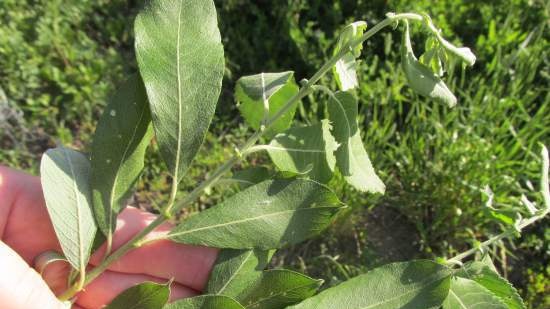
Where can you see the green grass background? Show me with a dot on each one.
(60, 59)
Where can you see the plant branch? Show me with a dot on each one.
(172, 207)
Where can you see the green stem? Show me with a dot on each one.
(172, 207)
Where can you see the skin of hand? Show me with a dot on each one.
(26, 232)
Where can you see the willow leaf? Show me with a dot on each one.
(419, 284)
(268, 215)
(346, 67)
(236, 269)
(468, 294)
(482, 273)
(64, 174)
(147, 295)
(255, 93)
(118, 150)
(278, 288)
(351, 157)
(181, 60)
(205, 302)
(308, 150)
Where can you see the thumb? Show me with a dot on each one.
(21, 287)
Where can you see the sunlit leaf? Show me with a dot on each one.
(351, 157)
(268, 215)
(147, 295)
(255, 93)
(308, 150)
(345, 68)
(205, 302)
(181, 60)
(468, 294)
(118, 150)
(235, 270)
(417, 284)
(65, 174)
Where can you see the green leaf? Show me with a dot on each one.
(236, 269)
(468, 294)
(481, 273)
(345, 68)
(420, 78)
(181, 60)
(278, 289)
(257, 92)
(412, 285)
(250, 176)
(308, 150)
(147, 295)
(205, 302)
(351, 158)
(65, 182)
(118, 150)
(269, 215)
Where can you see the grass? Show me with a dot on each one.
(56, 69)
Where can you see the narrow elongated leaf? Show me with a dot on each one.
(255, 93)
(277, 289)
(308, 150)
(417, 284)
(118, 150)
(205, 302)
(345, 68)
(180, 57)
(64, 174)
(351, 157)
(147, 295)
(268, 215)
(236, 269)
(420, 78)
(468, 294)
(481, 273)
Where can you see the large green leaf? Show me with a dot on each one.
(255, 93)
(351, 158)
(147, 295)
(420, 78)
(345, 68)
(412, 285)
(468, 294)
(305, 150)
(118, 150)
(180, 57)
(277, 289)
(268, 215)
(236, 269)
(64, 174)
(482, 273)
(205, 302)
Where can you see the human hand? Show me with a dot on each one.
(26, 232)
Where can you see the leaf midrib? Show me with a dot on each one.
(243, 220)
(178, 74)
(235, 274)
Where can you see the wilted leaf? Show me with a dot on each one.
(278, 289)
(256, 92)
(181, 60)
(420, 78)
(147, 295)
(308, 150)
(417, 284)
(268, 215)
(236, 269)
(205, 302)
(64, 174)
(481, 273)
(351, 158)
(118, 150)
(468, 294)
(345, 68)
